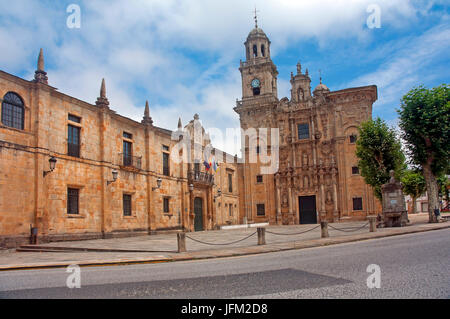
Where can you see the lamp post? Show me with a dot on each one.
(52, 162)
(158, 184)
(115, 174)
(219, 193)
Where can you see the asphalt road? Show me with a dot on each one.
(411, 266)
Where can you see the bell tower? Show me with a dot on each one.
(259, 74)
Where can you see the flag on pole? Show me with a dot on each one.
(215, 165)
(207, 165)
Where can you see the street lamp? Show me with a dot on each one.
(219, 193)
(52, 161)
(158, 184)
(115, 174)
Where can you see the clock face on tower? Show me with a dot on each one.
(256, 83)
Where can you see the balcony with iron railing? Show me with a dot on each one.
(200, 177)
(130, 161)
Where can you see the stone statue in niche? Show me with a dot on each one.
(306, 182)
(285, 202)
(329, 198)
(300, 94)
(305, 159)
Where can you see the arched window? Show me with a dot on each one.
(13, 111)
(263, 50)
(255, 51)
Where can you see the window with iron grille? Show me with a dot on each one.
(303, 131)
(355, 170)
(73, 144)
(72, 201)
(13, 111)
(259, 178)
(230, 183)
(260, 210)
(357, 203)
(353, 139)
(166, 170)
(127, 153)
(126, 205)
(166, 205)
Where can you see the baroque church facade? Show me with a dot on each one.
(75, 170)
(317, 177)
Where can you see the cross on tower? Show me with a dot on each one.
(256, 18)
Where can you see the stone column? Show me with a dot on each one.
(261, 235)
(279, 220)
(324, 229)
(181, 240)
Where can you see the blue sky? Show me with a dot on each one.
(183, 55)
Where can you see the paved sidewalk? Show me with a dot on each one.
(162, 248)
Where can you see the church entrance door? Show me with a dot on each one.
(307, 209)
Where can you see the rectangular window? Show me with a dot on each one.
(74, 118)
(126, 205)
(72, 201)
(353, 139)
(357, 203)
(128, 135)
(355, 170)
(230, 207)
(303, 131)
(166, 170)
(127, 153)
(165, 148)
(230, 183)
(73, 141)
(166, 205)
(259, 178)
(260, 210)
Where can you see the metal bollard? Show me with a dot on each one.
(181, 238)
(324, 228)
(373, 223)
(261, 236)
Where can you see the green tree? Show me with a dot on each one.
(413, 185)
(425, 121)
(379, 151)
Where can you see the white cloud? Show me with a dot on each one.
(409, 66)
(181, 55)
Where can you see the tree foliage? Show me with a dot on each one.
(425, 121)
(413, 183)
(379, 151)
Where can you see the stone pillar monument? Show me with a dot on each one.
(394, 208)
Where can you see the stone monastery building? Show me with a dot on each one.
(76, 170)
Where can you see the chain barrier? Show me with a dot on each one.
(345, 229)
(224, 244)
(291, 234)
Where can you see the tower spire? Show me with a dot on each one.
(102, 101)
(180, 126)
(40, 76)
(256, 18)
(147, 119)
